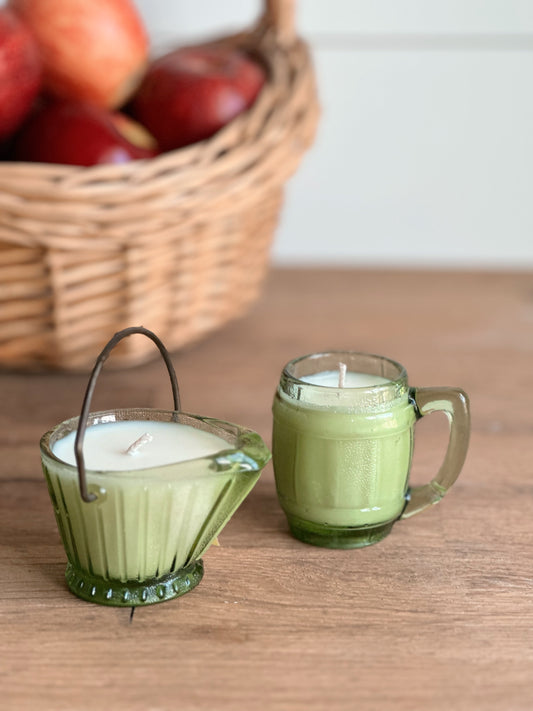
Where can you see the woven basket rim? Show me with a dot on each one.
(262, 43)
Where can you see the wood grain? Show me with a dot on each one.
(437, 616)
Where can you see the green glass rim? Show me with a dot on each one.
(398, 379)
(246, 452)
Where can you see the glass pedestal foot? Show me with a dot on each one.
(133, 593)
(319, 534)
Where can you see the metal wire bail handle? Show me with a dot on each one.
(82, 424)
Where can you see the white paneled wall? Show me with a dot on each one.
(425, 149)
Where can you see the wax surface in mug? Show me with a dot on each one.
(352, 379)
(105, 445)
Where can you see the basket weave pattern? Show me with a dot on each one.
(179, 243)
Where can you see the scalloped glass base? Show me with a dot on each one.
(133, 593)
(318, 534)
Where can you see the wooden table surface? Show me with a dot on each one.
(437, 616)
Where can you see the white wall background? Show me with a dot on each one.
(424, 154)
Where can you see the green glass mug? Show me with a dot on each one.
(343, 435)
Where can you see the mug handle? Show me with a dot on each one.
(454, 403)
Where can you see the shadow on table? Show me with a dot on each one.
(259, 521)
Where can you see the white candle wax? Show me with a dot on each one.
(352, 379)
(105, 445)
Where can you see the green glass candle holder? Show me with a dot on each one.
(141, 540)
(342, 446)
(136, 535)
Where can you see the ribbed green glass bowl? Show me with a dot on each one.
(142, 539)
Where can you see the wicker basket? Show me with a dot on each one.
(179, 243)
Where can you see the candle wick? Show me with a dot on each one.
(342, 374)
(135, 446)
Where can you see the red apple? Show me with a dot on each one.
(189, 94)
(93, 50)
(20, 71)
(81, 134)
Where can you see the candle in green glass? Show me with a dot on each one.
(157, 509)
(343, 444)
